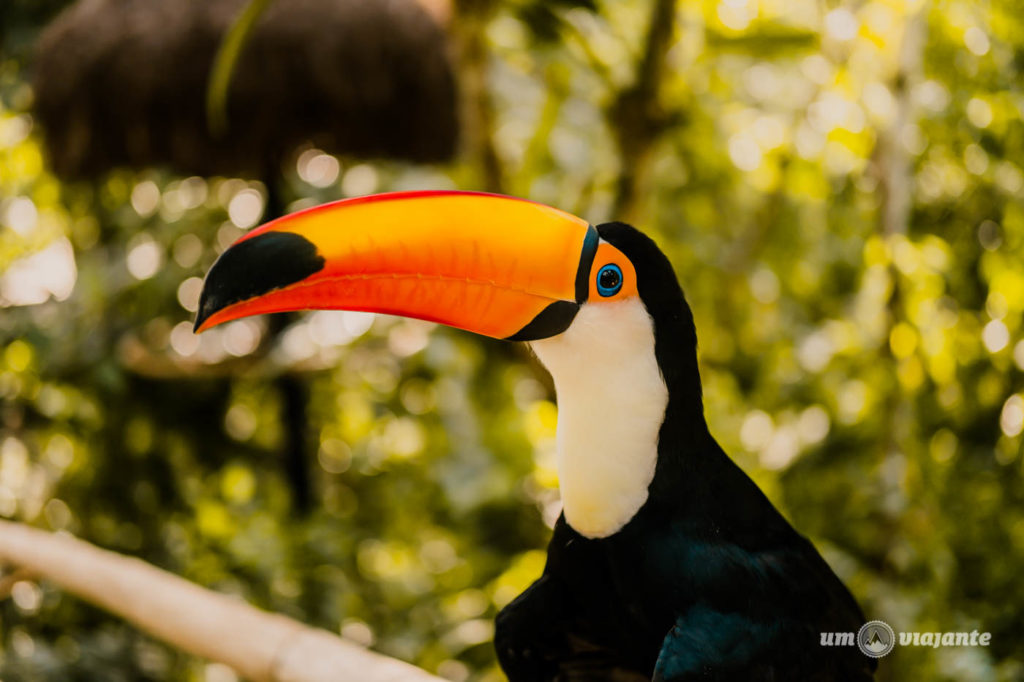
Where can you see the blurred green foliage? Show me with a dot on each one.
(841, 191)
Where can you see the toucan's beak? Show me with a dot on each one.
(494, 265)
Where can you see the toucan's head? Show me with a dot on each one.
(495, 265)
(600, 306)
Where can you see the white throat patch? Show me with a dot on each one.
(611, 403)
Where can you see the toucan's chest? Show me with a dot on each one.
(654, 569)
(612, 581)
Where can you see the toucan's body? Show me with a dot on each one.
(709, 588)
(668, 563)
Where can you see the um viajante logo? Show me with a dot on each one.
(876, 639)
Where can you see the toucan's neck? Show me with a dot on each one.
(611, 406)
(631, 425)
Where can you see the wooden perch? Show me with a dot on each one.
(260, 646)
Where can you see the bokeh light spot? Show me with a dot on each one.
(188, 293)
(183, 341)
(995, 336)
(756, 430)
(144, 256)
(1011, 419)
(979, 112)
(20, 215)
(359, 180)
(245, 208)
(841, 24)
(145, 198)
(744, 152)
(976, 41)
(317, 168)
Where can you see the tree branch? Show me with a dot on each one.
(478, 113)
(636, 116)
(260, 646)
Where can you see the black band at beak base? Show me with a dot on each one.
(557, 317)
(551, 321)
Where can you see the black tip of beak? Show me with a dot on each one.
(255, 266)
(551, 321)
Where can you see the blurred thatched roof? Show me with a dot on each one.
(123, 83)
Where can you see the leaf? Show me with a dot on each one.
(224, 65)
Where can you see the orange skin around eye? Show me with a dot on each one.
(606, 253)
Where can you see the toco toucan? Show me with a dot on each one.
(667, 562)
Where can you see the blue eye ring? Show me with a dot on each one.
(609, 280)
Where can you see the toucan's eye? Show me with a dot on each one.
(609, 280)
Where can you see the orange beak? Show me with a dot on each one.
(495, 265)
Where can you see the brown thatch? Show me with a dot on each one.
(123, 83)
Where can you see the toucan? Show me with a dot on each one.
(667, 562)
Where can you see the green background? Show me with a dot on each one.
(839, 187)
